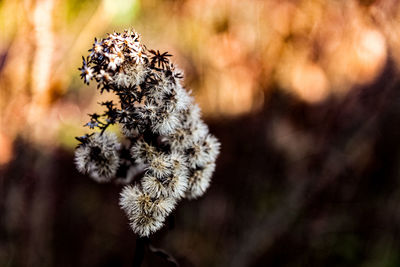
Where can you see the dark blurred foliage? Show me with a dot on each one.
(303, 95)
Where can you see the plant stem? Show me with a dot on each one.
(139, 251)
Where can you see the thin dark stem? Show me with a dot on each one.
(105, 127)
(139, 251)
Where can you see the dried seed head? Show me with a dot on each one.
(203, 151)
(173, 186)
(99, 157)
(168, 151)
(199, 181)
(143, 152)
(160, 166)
(146, 215)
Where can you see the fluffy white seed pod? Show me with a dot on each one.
(192, 115)
(159, 91)
(183, 99)
(188, 136)
(99, 157)
(204, 151)
(130, 75)
(165, 123)
(173, 98)
(129, 132)
(173, 186)
(213, 147)
(152, 186)
(165, 84)
(146, 215)
(144, 224)
(180, 140)
(82, 157)
(199, 181)
(160, 166)
(149, 111)
(199, 131)
(179, 163)
(133, 200)
(163, 206)
(142, 152)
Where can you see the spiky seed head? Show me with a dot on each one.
(99, 157)
(199, 180)
(146, 214)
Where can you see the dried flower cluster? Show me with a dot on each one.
(166, 152)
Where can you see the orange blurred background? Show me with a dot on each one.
(233, 53)
(303, 94)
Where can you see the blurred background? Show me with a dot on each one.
(304, 96)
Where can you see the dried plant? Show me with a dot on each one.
(166, 152)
